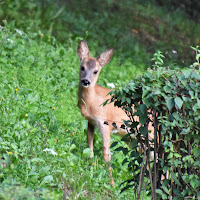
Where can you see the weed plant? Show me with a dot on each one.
(38, 89)
(43, 146)
(136, 29)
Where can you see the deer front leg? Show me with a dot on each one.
(105, 133)
(90, 138)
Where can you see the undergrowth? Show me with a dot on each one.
(38, 88)
(43, 136)
(134, 29)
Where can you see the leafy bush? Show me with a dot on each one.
(170, 100)
(38, 89)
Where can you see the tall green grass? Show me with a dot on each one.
(38, 89)
(38, 111)
(135, 29)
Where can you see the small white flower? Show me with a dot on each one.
(111, 85)
(18, 31)
(174, 52)
(46, 149)
(9, 40)
(51, 151)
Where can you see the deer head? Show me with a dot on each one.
(91, 67)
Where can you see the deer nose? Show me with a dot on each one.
(85, 82)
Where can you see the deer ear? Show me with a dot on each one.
(83, 50)
(105, 57)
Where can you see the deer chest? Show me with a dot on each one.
(90, 112)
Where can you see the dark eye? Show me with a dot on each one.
(82, 68)
(95, 72)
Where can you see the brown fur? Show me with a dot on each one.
(91, 97)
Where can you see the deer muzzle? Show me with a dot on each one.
(85, 83)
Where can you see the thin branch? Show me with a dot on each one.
(148, 164)
(155, 152)
(141, 181)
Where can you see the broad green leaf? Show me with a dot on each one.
(48, 179)
(143, 108)
(72, 147)
(125, 151)
(186, 99)
(177, 116)
(124, 161)
(128, 100)
(134, 124)
(177, 155)
(31, 58)
(195, 183)
(185, 130)
(170, 155)
(44, 170)
(134, 143)
(164, 196)
(113, 144)
(187, 73)
(165, 189)
(198, 195)
(159, 191)
(87, 152)
(175, 178)
(33, 174)
(167, 89)
(119, 149)
(197, 152)
(191, 94)
(198, 56)
(197, 163)
(170, 103)
(148, 102)
(145, 92)
(142, 118)
(143, 131)
(195, 75)
(179, 102)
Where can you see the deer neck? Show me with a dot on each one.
(86, 94)
(86, 99)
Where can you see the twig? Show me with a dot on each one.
(148, 164)
(141, 181)
(155, 152)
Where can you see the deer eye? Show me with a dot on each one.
(82, 68)
(96, 71)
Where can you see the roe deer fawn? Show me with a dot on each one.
(107, 118)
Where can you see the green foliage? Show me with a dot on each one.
(135, 34)
(170, 100)
(158, 59)
(32, 74)
(197, 50)
(12, 190)
(38, 86)
(43, 147)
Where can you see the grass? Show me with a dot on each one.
(38, 80)
(38, 89)
(134, 29)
